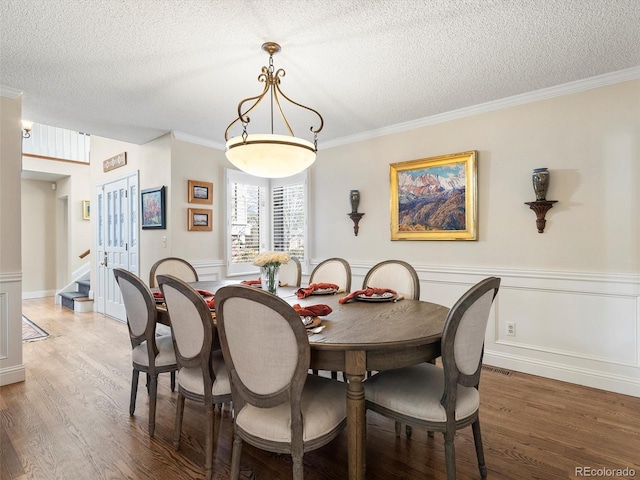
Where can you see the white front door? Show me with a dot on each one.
(116, 240)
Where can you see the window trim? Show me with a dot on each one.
(237, 176)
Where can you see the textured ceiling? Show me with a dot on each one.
(135, 69)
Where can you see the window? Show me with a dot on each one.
(265, 214)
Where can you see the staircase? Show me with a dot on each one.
(79, 300)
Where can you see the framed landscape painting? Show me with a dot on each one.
(153, 208)
(435, 198)
(200, 192)
(200, 219)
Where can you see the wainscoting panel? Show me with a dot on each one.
(577, 327)
(599, 327)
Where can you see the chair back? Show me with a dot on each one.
(265, 347)
(333, 270)
(463, 335)
(191, 325)
(291, 273)
(140, 307)
(172, 266)
(394, 274)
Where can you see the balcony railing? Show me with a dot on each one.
(55, 142)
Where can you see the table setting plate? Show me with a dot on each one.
(382, 297)
(324, 291)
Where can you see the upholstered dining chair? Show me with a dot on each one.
(278, 406)
(332, 270)
(443, 399)
(396, 275)
(150, 354)
(202, 374)
(172, 266)
(400, 276)
(291, 273)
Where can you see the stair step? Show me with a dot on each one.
(72, 295)
(84, 286)
(69, 299)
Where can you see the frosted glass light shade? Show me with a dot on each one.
(269, 155)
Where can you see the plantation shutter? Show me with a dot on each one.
(288, 203)
(265, 214)
(247, 220)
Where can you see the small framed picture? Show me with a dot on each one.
(153, 208)
(200, 192)
(200, 219)
(86, 209)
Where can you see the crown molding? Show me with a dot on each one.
(10, 92)
(530, 97)
(185, 137)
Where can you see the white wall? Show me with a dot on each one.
(11, 366)
(39, 247)
(574, 290)
(205, 250)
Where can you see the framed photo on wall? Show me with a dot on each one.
(153, 208)
(86, 209)
(200, 219)
(200, 192)
(435, 198)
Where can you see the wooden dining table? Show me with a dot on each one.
(362, 336)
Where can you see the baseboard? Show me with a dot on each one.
(41, 294)
(565, 373)
(13, 374)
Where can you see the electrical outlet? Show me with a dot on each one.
(511, 329)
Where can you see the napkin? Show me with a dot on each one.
(306, 291)
(367, 291)
(252, 282)
(204, 293)
(158, 295)
(312, 310)
(211, 303)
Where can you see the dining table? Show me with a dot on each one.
(360, 336)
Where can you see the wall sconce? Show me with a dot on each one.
(354, 198)
(26, 128)
(541, 206)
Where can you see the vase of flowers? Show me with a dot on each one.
(269, 263)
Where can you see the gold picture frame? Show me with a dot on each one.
(435, 198)
(86, 209)
(200, 192)
(200, 219)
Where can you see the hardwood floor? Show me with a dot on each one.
(70, 420)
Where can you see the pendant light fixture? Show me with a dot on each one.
(267, 154)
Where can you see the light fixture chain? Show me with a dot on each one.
(244, 132)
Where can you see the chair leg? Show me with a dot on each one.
(298, 467)
(179, 413)
(408, 430)
(153, 395)
(147, 382)
(134, 391)
(398, 428)
(477, 438)
(173, 381)
(208, 444)
(450, 455)
(235, 456)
